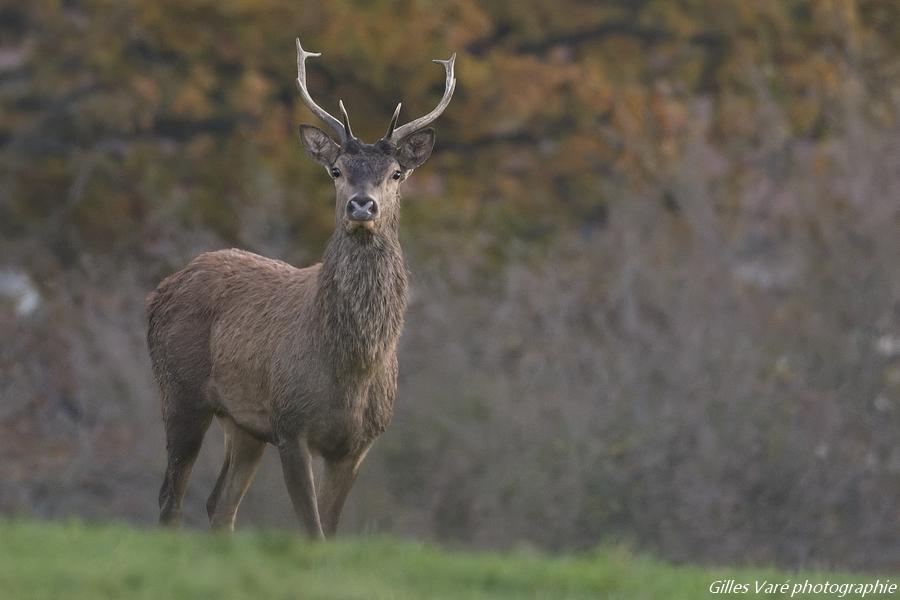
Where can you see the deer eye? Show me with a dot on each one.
(335, 172)
(397, 174)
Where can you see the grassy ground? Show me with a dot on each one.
(77, 561)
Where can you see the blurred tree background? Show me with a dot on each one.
(655, 259)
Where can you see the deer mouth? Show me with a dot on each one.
(353, 225)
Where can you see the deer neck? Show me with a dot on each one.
(361, 298)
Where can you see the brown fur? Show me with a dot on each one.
(304, 359)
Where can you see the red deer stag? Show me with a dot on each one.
(304, 359)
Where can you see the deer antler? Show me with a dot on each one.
(393, 123)
(346, 119)
(395, 135)
(342, 132)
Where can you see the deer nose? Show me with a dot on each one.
(362, 208)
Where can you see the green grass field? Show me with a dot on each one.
(77, 561)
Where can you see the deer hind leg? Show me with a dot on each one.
(339, 476)
(243, 453)
(223, 473)
(184, 436)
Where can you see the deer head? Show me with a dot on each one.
(367, 177)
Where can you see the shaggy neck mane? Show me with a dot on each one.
(361, 298)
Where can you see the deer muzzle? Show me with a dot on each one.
(362, 208)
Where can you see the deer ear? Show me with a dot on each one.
(414, 149)
(318, 145)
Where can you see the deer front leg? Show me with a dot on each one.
(338, 479)
(296, 463)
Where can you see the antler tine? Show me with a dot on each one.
(346, 118)
(317, 110)
(449, 86)
(390, 131)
